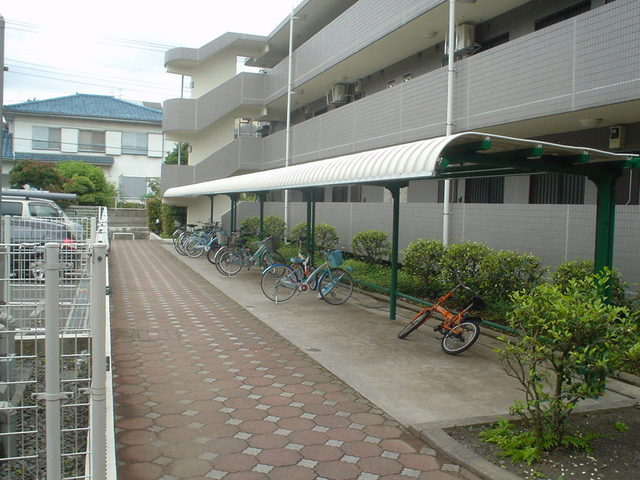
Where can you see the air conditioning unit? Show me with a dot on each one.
(358, 87)
(336, 95)
(465, 40)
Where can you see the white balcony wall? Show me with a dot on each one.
(213, 72)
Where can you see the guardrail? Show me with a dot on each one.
(54, 384)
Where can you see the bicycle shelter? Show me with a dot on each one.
(462, 155)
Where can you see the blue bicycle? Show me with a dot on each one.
(335, 286)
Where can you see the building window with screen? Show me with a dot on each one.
(134, 143)
(91, 141)
(45, 138)
(484, 190)
(556, 188)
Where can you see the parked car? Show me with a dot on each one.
(33, 222)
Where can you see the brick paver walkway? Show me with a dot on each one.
(205, 390)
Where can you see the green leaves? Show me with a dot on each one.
(372, 245)
(570, 340)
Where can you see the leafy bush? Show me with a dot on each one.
(153, 206)
(169, 216)
(505, 272)
(298, 234)
(380, 275)
(576, 270)
(423, 259)
(326, 236)
(569, 341)
(273, 226)
(462, 262)
(373, 245)
(251, 226)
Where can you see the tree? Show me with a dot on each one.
(569, 340)
(88, 182)
(172, 156)
(40, 175)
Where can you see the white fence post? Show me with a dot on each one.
(52, 395)
(98, 365)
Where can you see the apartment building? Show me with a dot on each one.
(123, 138)
(373, 73)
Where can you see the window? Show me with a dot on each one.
(43, 210)
(11, 208)
(45, 138)
(340, 194)
(91, 141)
(356, 193)
(562, 15)
(556, 188)
(134, 143)
(484, 190)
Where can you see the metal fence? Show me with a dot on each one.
(52, 353)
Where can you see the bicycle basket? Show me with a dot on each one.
(222, 237)
(334, 258)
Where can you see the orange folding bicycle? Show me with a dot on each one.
(459, 330)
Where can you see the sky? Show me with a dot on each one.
(116, 47)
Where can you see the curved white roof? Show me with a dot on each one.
(410, 161)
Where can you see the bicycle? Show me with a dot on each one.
(230, 261)
(334, 284)
(203, 241)
(460, 331)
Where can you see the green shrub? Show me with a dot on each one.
(373, 245)
(505, 272)
(298, 234)
(251, 226)
(380, 275)
(423, 259)
(273, 226)
(577, 270)
(462, 262)
(153, 206)
(169, 215)
(569, 340)
(326, 236)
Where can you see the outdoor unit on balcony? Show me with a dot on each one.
(337, 94)
(465, 40)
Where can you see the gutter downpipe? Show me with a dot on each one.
(446, 214)
(288, 129)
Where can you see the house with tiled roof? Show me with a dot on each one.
(123, 138)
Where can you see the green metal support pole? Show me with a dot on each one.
(393, 294)
(211, 208)
(312, 244)
(605, 220)
(308, 194)
(605, 224)
(261, 198)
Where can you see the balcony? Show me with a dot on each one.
(242, 95)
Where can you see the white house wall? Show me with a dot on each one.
(127, 165)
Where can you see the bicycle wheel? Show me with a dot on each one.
(411, 327)
(279, 288)
(211, 254)
(179, 245)
(230, 262)
(217, 256)
(336, 286)
(176, 235)
(193, 247)
(460, 338)
(273, 258)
